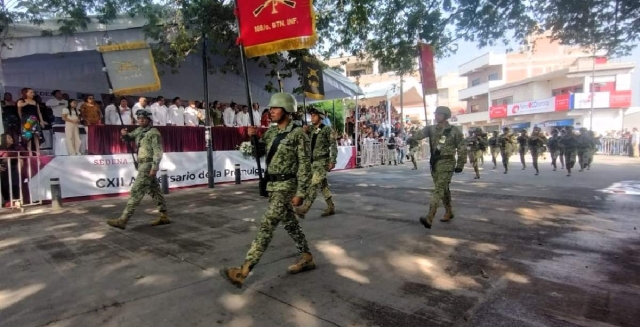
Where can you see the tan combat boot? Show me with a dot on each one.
(331, 209)
(163, 220)
(305, 263)
(428, 220)
(447, 215)
(117, 223)
(237, 275)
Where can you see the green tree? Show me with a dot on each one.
(341, 107)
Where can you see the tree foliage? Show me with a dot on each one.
(383, 30)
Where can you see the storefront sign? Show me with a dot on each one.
(531, 107)
(519, 125)
(556, 123)
(583, 100)
(562, 102)
(498, 112)
(620, 99)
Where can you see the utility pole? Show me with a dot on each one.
(208, 136)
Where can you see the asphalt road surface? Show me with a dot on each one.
(523, 250)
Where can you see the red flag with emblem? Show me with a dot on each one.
(427, 69)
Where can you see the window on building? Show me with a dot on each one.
(474, 108)
(566, 90)
(493, 77)
(475, 82)
(502, 101)
(603, 87)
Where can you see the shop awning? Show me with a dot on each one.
(556, 123)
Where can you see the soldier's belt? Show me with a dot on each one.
(280, 177)
(326, 156)
(446, 157)
(145, 160)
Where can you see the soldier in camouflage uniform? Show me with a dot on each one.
(494, 148)
(569, 142)
(523, 139)
(585, 146)
(554, 148)
(507, 142)
(536, 143)
(324, 155)
(414, 145)
(444, 141)
(476, 145)
(149, 143)
(288, 175)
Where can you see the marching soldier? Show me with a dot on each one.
(476, 145)
(569, 142)
(445, 141)
(523, 139)
(563, 132)
(324, 155)
(536, 143)
(149, 143)
(554, 148)
(391, 150)
(413, 148)
(494, 148)
(507, 142)
(594, 148)
(288, 175)
(585, 146)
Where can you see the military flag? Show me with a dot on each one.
(312, 78)
(270, 26)
(427, 69)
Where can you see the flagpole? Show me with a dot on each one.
(304, 94)
(254, 138)
(334, 113)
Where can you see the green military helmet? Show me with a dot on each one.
(554, 131)
(318, 112)
(144, 112)
(495, 133)
(478, 130)
(444, 110)
(537, 129)
(506, 129)
(285, 101)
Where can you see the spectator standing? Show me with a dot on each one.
(635, 143)
(90, 111)
(176, 113)
(229, 116)
(242, 118)
(160, 112)
(71, 117)
(57, 105)
(191, 114)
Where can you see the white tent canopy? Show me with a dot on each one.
(72, 63)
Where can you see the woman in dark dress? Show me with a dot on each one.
(10, 117)
(32, 121)
(9, 169)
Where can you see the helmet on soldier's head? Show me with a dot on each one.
(146, 113)
(537, 129)
(444, 110)
(478, 130)
(506, 129)
(495, 133)
(285, 101)
(568, 128)
(318, 112)
(524, 130)
(554, 131)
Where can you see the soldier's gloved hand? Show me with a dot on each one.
(296, 201)
(458, 170)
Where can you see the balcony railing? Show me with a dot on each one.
(479, 63)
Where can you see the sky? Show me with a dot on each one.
(469, 50)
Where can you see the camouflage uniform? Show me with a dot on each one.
(554, 148)
(414, 145)
(523, 139)
(585, 147)
(507, 142)
(289, 175)
(569, 142)
(536, 143)
(149, 143)
(494, 148)
(324, 150)
(443, 169)
(476, 145)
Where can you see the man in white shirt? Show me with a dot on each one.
(229, 115)
(257, 115)
(191, 114)
(242, 118)
(176, 113)
(125, 117)
(142, 104)
(110, 112)
(57, 103)
(160, 112)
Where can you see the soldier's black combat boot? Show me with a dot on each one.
(331, 209)
(236, 275)
(162, 220)
(305, 263)
(117, 223)
(428, 220)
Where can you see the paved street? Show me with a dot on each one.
(523, 250)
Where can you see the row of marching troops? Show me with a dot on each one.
(564, 143)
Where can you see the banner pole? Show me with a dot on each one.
(304, 94)
(334, 112)
(208, 132)
(254, 138)
(424, 99)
